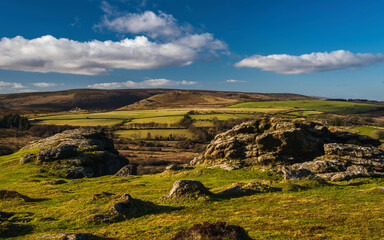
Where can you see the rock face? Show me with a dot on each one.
(297, 148)
(187, 189)
(77, 153)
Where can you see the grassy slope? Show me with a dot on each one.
(317, 105)
(346, 210)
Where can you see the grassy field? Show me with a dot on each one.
(81, 122)
(153, 133)
(344, 210)
(166, 119)
(366, 130)
(339, 107)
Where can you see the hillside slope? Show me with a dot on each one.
(201, 98)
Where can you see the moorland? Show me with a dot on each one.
(159, 127)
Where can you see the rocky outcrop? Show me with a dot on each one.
(296, 148)
(345, 161)
(76, 154)
(187, 190)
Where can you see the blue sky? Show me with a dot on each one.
(319, 48)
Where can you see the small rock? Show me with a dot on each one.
(56, 182)
(7, 195)
(236, 190)
(187, 189)
(212, 231)
(126, 197)
(27, 158)
(175, 167)
(291, 175)
(257, 186)
(127, 170)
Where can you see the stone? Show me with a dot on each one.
(257, 186)
(10, 195)
(131, 207)
(233, 191)
(127, 170)
(56, 181)
(212, 231)
(187, 189)
(175, 167)
(27, 158)
(291, 175)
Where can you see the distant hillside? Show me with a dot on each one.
(68, 99)
(201, 98)
(112, 99)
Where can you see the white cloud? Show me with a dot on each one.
(44, 84)
(235, 81)
(148, 23)
(49, 54)
(26, 90)
(10, 85)
(308, 63)
(150, 83)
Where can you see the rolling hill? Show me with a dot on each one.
(92, 99)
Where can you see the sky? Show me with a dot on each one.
(322, 48)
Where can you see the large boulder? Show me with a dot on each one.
(297, 148)
(76, 154)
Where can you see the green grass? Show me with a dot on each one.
(167, 119)
(143, 134)
(81, 122)
(346, 210)
(119, 114)
(211, 116)
(365, 130)
(203, 124)
(315, 105)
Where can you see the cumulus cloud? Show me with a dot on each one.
(44, 84)
(49, 54)
(10, 85)
(148, 23)
(150, 83)
(235, 81)
(309, 63)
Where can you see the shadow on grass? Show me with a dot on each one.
(245, 192)
(139, 208)
(8, 229)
